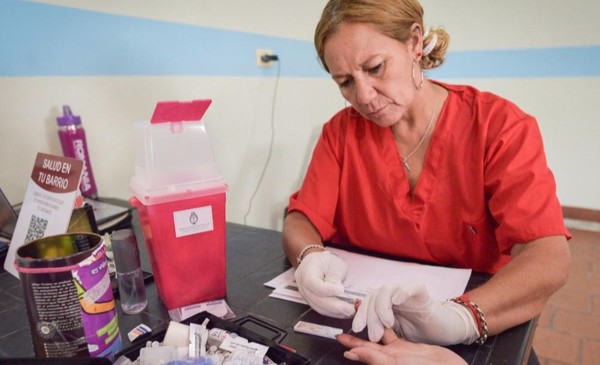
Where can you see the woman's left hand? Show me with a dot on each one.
(412, 313)
(395, 350)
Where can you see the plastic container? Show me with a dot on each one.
(74, 145)
(132, 290)
(173, 161)
(180, 198)
(70, 307)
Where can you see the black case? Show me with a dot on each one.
(240, 326)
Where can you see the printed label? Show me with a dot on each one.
(192, 221)
(97, 305)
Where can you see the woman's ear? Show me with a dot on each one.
(415, 42)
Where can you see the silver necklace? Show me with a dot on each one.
(405, 159)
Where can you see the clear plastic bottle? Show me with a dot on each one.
(132, 291)
(74, 145)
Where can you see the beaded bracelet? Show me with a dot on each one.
(305, 249)
(482, 326)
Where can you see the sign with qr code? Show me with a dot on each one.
(48, 203)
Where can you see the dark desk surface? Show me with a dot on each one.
(254, 256)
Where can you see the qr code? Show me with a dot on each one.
(37, 228)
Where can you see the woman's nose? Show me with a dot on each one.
(365, 92)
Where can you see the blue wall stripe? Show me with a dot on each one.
(522, 63)
(46, 40)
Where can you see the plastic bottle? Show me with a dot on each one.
(132, 291)
(74, 145)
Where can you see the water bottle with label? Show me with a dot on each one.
(74, 145)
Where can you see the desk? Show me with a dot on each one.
(254, 256)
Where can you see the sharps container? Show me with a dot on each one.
(180, 198)
(70, 303)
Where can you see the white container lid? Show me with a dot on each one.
(173, 161)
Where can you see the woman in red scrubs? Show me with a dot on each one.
(424, 170)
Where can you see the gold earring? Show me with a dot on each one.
(420, 85)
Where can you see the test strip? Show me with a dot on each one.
(317, 329)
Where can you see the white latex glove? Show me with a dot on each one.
(414, 315)
(319, 277)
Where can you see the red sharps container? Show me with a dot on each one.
(180, 198)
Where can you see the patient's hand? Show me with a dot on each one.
(395, 350)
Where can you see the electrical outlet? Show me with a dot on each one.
(259, 54)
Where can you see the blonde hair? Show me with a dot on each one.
(392, 18)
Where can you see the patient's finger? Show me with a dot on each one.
(353, 341)
(367, 355)
(389, 336)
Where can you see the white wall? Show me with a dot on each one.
(239, 119)
(564, 106)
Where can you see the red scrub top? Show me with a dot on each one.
(485, 185)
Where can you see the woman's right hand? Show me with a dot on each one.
(319, 277)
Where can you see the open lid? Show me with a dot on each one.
(173, 154)
(179, 111)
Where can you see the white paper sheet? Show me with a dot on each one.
(366, 273)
